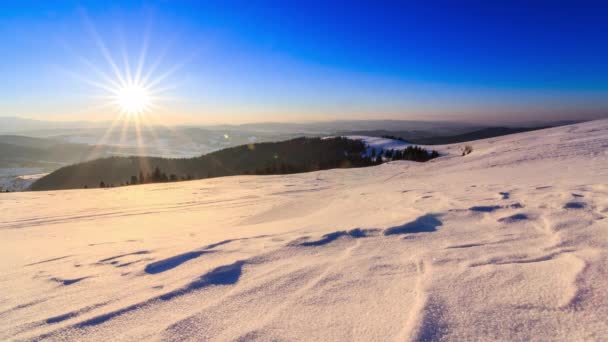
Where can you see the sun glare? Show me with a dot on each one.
(132, 90)
(133, 99)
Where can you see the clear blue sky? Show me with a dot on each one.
(235, 61)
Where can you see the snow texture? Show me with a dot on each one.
(507, 243)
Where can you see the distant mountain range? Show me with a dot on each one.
(48, 154)
(13, 125)
(31, 127)
(421, 138)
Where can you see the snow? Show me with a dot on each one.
(377, 144)
(19, 171)
(380, 143)
(507, 243)
(18, 183)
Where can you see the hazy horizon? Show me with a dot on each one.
(102, 122)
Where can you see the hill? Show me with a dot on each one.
(292, 156)
(509, 242)
(48, 153)
(445, 137)
(484, 133)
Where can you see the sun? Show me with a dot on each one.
(133, 99)
(133, 89)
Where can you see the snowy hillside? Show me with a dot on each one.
(507, 243)
(380, 143)
(18, 183)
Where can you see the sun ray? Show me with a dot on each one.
(136, 91)
(125, 57)
(123, 134)
(102, 47)
(90, 66)
(156, 121)
(97, 108)
(166, 88)
(151, 129)
(143, 161)
(143, 52)
(157, 62)
(102, 141)
(95, 84)
(172, 70)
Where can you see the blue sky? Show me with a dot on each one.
(244, 61)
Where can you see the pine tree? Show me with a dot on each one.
(156, 176)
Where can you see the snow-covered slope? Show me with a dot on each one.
(18, 183)
(378, 143)
(507, 243)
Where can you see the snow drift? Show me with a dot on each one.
(507, 243)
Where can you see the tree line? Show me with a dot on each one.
(415, 153)
(156, 176)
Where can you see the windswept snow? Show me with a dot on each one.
(507, 243)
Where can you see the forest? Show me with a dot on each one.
(291, 156)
